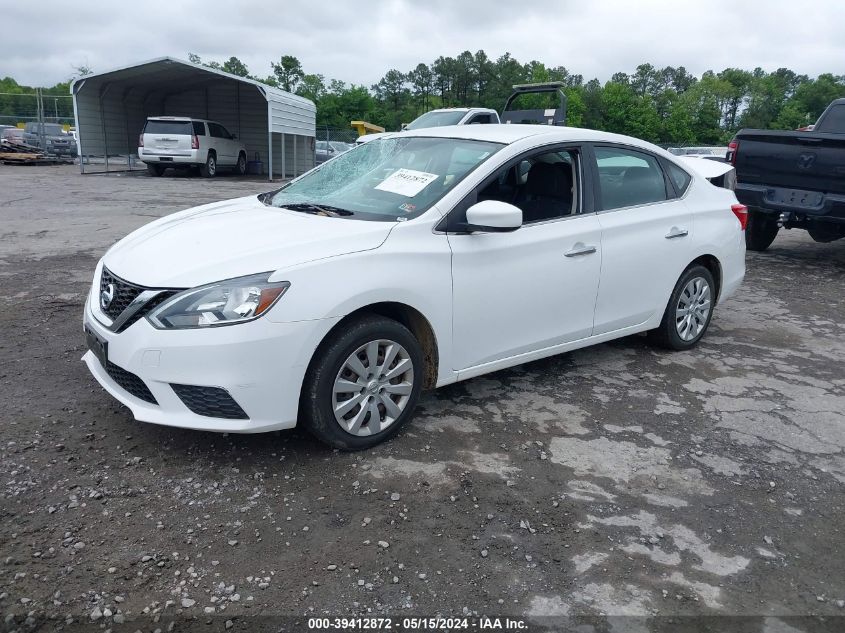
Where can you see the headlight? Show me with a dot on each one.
(222, 303)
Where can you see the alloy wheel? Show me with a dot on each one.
(693, 309)
(373, 387)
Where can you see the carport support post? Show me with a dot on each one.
(284, 163)
(270, 156)
(295, 139)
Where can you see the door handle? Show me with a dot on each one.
(580, 249)
(676, 232)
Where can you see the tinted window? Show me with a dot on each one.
(628, 178)
(679, 178)
(833, 121)
(199, 128)
(168, 127)
(218, 130)
(481, 118)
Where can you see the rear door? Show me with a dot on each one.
(168, 137)
(647, 233)
(223, 144)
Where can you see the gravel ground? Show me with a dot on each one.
(620, 480)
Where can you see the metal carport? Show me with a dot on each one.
(111, 107)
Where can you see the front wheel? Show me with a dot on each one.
(363, 384)
(688, 313)
(760, 232)
(241, 166)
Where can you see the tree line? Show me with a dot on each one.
(664, 105)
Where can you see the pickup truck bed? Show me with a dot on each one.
(793, 179)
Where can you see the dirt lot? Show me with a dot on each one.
(619, 480)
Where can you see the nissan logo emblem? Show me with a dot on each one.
(106, 296)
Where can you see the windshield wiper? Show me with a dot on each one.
(318, 209)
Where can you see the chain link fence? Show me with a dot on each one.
(341, 135)
(18, 109)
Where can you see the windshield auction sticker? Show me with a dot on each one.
(406, 182)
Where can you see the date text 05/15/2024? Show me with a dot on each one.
(418, 624)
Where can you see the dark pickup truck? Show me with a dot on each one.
(794, 180)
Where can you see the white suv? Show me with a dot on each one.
(183, 142)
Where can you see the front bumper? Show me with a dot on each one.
(261, 364)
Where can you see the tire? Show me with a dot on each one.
(240, 168)
(209, 169)
(331, 382)
(155, 170)
(760, 232)
(671, 333)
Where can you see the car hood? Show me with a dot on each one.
(234, 238)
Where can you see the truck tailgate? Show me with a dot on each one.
(794, 160)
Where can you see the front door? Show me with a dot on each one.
(534, 288)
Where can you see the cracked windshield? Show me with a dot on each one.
(385, 179)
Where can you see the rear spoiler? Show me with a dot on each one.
(547, 116)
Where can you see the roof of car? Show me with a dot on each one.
(507, 133)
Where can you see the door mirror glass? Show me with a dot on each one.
(493, 216)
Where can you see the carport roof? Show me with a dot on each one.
(164, 73)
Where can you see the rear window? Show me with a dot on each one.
(833, 121)
(168, 127)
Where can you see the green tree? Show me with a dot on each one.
(236, 67)
(288, 72)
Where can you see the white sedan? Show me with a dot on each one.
(413, 261)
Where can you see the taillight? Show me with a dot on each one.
(733, 146)
(195, 142)
(741, 213)
(141, 140)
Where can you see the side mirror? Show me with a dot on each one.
(493, 216)
(234, 137)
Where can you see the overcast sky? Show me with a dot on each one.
(43, 40)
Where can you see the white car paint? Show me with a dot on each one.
(469, 117)
(492, 300)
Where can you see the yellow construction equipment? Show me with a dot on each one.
(363, 127)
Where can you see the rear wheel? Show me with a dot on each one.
(689, 310)
(761, 231)
(241, 167)
(155, 170)
(209, 169)
(363, 384)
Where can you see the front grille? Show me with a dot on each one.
(148, 307)
(212, 402)
(130, 382)
(124, 293)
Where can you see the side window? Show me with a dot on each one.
(544, 185)
(628, 178)
(680, 179)
(217, 130)
(225, 132)
(199, 128)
